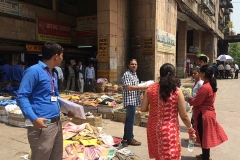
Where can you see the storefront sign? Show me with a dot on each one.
(33, 48)
(26, 11)
(53, 31)
(103, 74)
(147, 45)
(9, 7)
(102, 49)
(193, 49)
(166, 42)
(18, 9)
(87, 26)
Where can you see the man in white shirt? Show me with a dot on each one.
(236, 71)
(60, 77)
(220, 70)
(90, 76)
(81, 74)
(227, 70)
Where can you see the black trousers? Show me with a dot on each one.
(205, 152)
(227, 73)
(236, 73)
(221, 74)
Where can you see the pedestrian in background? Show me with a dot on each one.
(202, 60)
(60, 77)
(80, 73)
(131, 100)
(71, 78)
(5, 71)
(227, 70)
(163, 129)
(37, 98)
(208, 130)
(220, 70)
(16, 73)
(90, 77)
(236, 71)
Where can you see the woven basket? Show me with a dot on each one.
(96, 121)
(121, 117)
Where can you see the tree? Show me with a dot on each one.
(234, 51)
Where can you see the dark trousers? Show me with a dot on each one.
(236, 74)
(128, 127)
(227, 72)
(221, 74)
(205, 152)
(90, 82)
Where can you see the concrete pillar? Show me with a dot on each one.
(197, 39)
(112, 44)
(54, 5)
(182, 48)
(208, 46)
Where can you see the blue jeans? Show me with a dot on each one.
(128, 127)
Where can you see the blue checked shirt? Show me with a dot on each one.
(130, 97)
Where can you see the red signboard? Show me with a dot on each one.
(49, 30)
(53, 28)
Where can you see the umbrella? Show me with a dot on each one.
(200, 55)
(225, 58)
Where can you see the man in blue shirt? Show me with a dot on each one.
(16, 73)
(37, 98)
(5, 70)
(90, 76)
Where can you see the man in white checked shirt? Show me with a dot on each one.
(131, 99)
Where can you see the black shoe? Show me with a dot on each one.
(124, 143)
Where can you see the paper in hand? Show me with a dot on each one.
(66, 106)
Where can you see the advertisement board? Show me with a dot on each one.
(87, 26)
(17, 9)
(102, 49)
(33, 48)
(166, 42)
(49, 30)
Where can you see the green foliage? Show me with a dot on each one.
(234, 51)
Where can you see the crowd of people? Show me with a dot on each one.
(166, 102)
(38, 92)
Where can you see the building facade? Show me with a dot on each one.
(111, 32)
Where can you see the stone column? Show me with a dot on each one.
(197, 39)
(112, 29)
(182, 48)
(208, 46)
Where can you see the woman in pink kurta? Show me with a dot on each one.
(209, 132)
(163, 131)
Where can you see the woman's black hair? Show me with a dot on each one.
(208, 70)
(196, 69)
(167, 81)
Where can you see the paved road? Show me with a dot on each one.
(13, 140)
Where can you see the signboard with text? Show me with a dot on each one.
(49, 30)
(17, 9)
(166, 42)
(148, 45)
(33, 48)
(87, 26)
(102, 49)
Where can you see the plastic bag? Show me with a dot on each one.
(107, 139)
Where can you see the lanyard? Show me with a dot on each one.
(52, 79)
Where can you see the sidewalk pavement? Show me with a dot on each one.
(13, 140)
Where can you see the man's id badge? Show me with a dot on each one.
(53, 98)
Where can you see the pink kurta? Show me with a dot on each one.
(213, 133)
(163, 131)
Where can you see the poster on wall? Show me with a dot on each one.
(49, 30)
(87, 26)
(166, 42)
(102, 49)
(9, 7)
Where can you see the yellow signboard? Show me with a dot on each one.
(102, 49)
(43, 37)
(33, 48)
